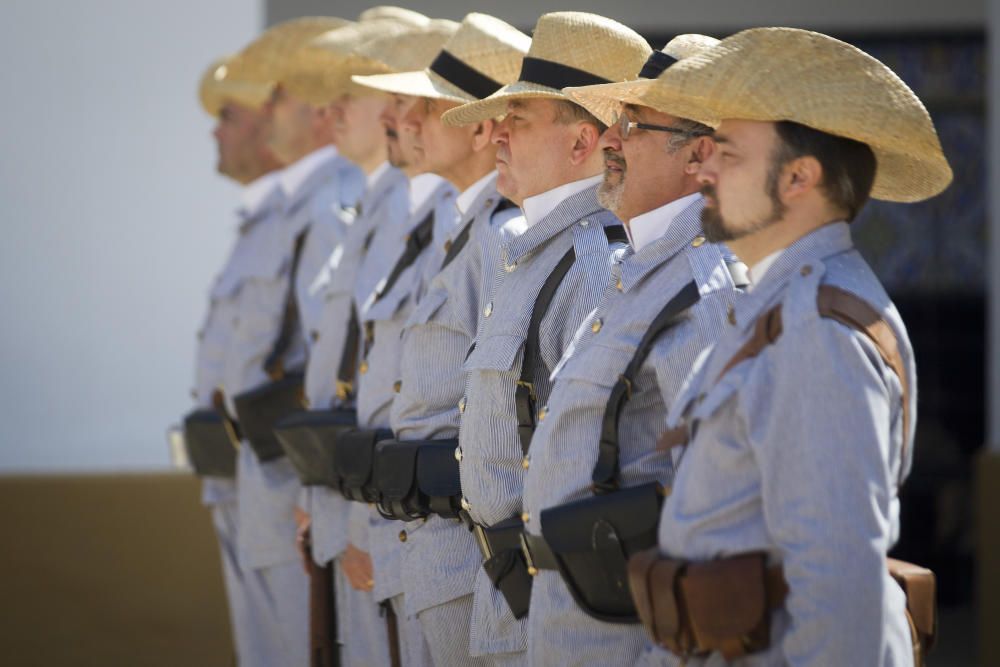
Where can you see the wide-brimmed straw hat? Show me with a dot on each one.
(264, 59)
(567, 49)
(216, 88)
(787, 74)
(398, 14)
(412, 50)
(479, 59)
(604, 100)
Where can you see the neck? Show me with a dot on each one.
(467, 172)
(371, 162)
(777, 236)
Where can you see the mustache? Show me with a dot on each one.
(709, 191)
(612, 156)
(392, 134)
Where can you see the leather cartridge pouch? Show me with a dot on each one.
(592, 539)
(353, 460)
(210, 444)
(259, 409)
(506, 566)
(307, 438)
(920, 587)
(438, 477)
(395, 480)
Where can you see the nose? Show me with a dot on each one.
(501, 132)
(411, 119)
(708, 171)
(611, 138)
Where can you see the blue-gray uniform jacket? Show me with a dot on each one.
(440, 556)
(268, 492)
(384, 317)
(490, 447)
(797, 453)
(565, 446)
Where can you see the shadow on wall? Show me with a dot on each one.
(110, 570)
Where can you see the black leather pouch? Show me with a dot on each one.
(308, 437)
(592, 539)
(438, 478)
(395, 480)
(506, 567)
(353, 460)
(210, 446)
(258, 410)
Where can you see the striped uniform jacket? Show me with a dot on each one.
(268, 492)
(490, 448)
(385, 317)
(797, 452)
(440, 556)
(565, 447)
(334, 287)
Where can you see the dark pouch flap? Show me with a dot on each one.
(307, 438)
(354, 454)
(437, 469)
(209, 446)
(726, 600)
(921, 591)
(396, 469)
(506, 535)
(508, 572)
(259, 409)
(634, 513)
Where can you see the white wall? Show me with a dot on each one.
(112, 222)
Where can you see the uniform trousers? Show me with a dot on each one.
(278, 632)
(445, 631)
(363, 635)
(224, 520)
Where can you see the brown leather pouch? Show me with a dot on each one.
(919, 585)
(668, 615)
(727, 605)
(638, 570)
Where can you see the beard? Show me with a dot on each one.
(610, 194)
(714, 226)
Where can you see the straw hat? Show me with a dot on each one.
(775, 74)
(263, 60)
(411, 51)
(217, 87)
(479, 59)
(604, 100)
(320, 71)
(568, 49)
(398, 14)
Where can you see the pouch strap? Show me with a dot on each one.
(606, 470)
(349, 358)
(455, 245)
(274, 362)
(538, 553)
(416, 241)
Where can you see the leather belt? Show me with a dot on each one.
(538, 553)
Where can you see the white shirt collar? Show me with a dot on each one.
(372, 178)
(651, 225)
(421, 188)
(469, 195)
(758, 270)
(256, 192)
(537, 207)
(295, 174)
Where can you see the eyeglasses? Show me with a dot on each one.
(626, 125)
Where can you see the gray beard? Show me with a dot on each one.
(610, 196)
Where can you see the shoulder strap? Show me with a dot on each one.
(454, 246)
(348, 358)
(416, 241)
(274, 362)
(851, 311)
(525, 398)
(606, 471)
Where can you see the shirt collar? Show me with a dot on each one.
(373, 177)
(422, 187)
(468, 197)
(256, 193)
(537, 207)
(296, 174)
(651, 225)
(759, 270)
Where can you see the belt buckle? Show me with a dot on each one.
(482, 542)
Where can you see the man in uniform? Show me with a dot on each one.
(241, 132)
(612, 387)
(794, 432)
(550, 165)
(440, 557)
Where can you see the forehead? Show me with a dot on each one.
(530, 105)
(749, 135)
(648, 114)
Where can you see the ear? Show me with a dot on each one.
(587, 139)
(482, 135)
(800, 176)
(701, 149)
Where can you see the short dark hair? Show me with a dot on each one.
(848, 165)
(571, 112)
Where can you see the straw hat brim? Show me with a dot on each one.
(219, 93)
(417, 84)
(604, 100)
(495, 105)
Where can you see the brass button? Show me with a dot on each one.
(509, 268)
(621, 288)
(596, 326)
(488, 310)
(698, 241)
(402, 536)
(465, 504)
(532, 570)
(806, 270)
(585, 223)
(447, 245)
(396, 386)
(731, 315)
(363, 368)
(314, 335)
(461, 406)
(543, 412)
(458, 454)
(525, 517)
(525, 463)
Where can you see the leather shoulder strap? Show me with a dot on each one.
(766, 330)
(349, 357)
(274, 362)
(606, 471)
(416, 241)
(454, 246)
